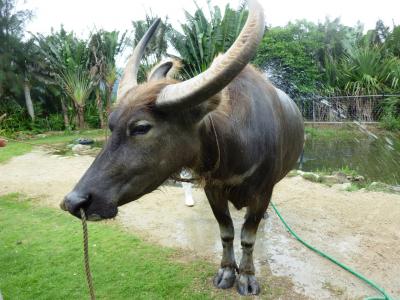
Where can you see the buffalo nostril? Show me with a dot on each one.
(75, 201)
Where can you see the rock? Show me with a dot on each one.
(42, 135)
(395, 188)
(311, 177)
(293, 173)
(340, 177)
(379, 185)
(345, 186)
(358, 178)
(382, 187)
(334, 179)
(80, 149)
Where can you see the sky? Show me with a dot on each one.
(82, 16)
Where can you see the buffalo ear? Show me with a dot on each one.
(164, 69)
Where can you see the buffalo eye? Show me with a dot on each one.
(139, 128)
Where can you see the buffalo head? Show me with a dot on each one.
(155, 125)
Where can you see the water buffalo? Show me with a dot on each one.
(229, 125)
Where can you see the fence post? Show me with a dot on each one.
(313, 110)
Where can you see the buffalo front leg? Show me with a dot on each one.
(247, 283)
(226, 276)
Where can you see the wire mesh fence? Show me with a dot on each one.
(363, 108)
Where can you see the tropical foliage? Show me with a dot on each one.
(157, 48)
(60, 81)
(329, 58)
(203, 38)
(104, 47)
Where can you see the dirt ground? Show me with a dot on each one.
(361, 229)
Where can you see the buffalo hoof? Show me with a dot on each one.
(248, 285)
(225, 278)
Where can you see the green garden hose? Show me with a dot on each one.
(343, 266)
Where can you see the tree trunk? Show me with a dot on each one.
(99, 102)
(80, 116)
(109, 97)
(65, 115)
(28, 99)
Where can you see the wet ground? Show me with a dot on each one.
(163, 218)
(360, 229)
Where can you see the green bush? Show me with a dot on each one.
(18, 120)
(53, 122)
(390, 119)
(390, 122)
(92, 116)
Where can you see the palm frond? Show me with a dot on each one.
(77, 85)
(204, 38)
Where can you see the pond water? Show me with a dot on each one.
(375, 155)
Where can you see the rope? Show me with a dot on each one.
(336, 262)
(86, 255)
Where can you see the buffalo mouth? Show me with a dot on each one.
(95, 210)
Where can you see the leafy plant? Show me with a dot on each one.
(157, 47)
(366, 71)
(78, 86)
(67, 58)
(391, 114)
(203, 37)
(104, 47)
(289, 56)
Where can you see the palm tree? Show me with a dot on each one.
(392, 43)
(366, 71)
(33, 71)
(12, 75)
(104, 47)
(67, 59)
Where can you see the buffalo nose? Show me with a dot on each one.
(74, 201)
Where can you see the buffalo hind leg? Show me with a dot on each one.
(226, 276)
(247, 283)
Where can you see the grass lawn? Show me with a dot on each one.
(19, 148)
(345, 132)
(41, 257)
